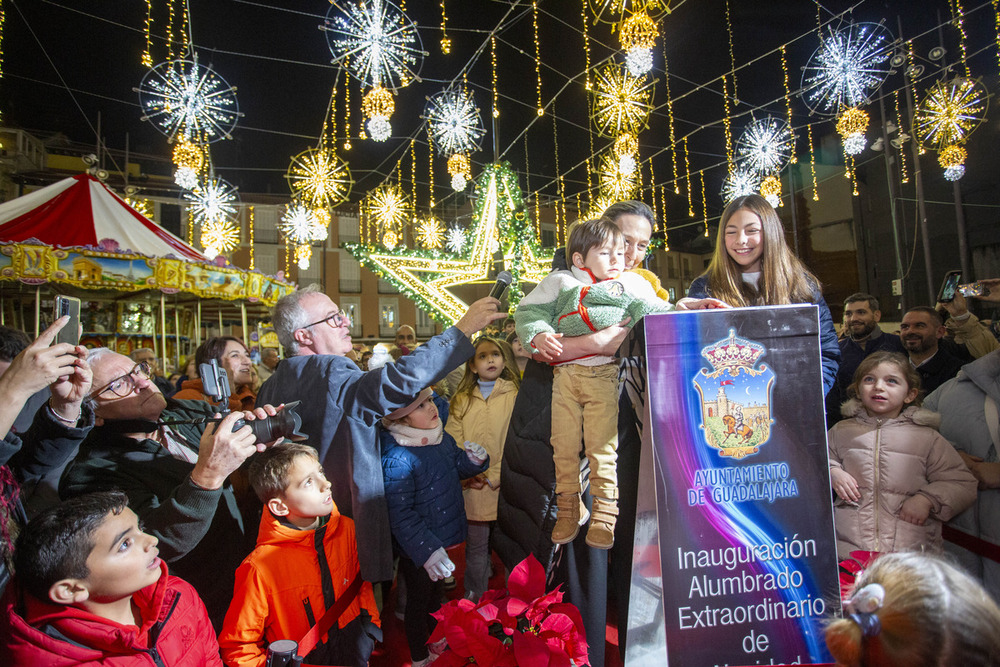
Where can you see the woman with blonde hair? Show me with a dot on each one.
(753, 266)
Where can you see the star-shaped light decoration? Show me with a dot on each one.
(380, 45)
(430, 233)
(389, 206)
(621, 101)
(319, 177)
(847, 68)
(215, 200)
(427, 275)
(456, 239)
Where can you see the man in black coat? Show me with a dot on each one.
(921, 332)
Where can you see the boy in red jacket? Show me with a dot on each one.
(306, 559)
(90, 589)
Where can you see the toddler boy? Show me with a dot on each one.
(592, 295)
(91, 588)
(305, 561)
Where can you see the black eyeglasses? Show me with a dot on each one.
(338, 319)
(125, 385)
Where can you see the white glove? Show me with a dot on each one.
(439, 566)
(476, 453)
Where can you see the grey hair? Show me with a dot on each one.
(97, 353)
(289, 316)
(630, 207)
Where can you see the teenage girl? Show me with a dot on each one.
(480, 412)
(753, 266)
(897, 479)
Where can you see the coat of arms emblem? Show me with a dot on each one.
(735, 396)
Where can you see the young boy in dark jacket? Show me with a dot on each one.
(90, 589)
(423, 468)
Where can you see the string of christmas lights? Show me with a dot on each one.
(904, 177)
(812, 162)
(788, 103)
(538, 57)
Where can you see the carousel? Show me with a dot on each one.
(139, 285)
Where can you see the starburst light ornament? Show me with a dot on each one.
(186, 100)
(952, 158)
(379, 43)
(219, 237)
(319, 177)
(389, 206)
(621, 101)
(430, 233)
(851, 126)
(454, 122)
(739, 183)
(847, 68)
(615, 184)
(949, 112)
(297, 225)
(212, 202)
(770, 189)
(765, 146)
(456, 239)
(638, 35)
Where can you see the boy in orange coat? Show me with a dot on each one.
(280, 591)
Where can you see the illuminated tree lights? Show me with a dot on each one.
(184, 99)
(380, 44)
(849, 65)
(621, 101)
(319, 177)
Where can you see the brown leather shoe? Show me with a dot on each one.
(567, 518)
(603, 517)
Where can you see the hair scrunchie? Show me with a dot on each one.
(862, 608)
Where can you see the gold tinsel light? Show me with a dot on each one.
(851, 126)
(638, 30)
(460, 170)
(952, 158)
(770, 189)
(219, 237)
(621, 101)
(378, 106)
(430, 233)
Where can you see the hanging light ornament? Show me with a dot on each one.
(611, 11)
(456, 239)
(212, 202)
(299, 227)
(615, 184)
(141, 206)
(847, 68)
(190, 160)
(381, 48)
(952, 158)
(770, 189)
(945, 118)
(378, 105)
(765, 146)
(851, 126)
(739, 183)
(454, 122)
(430, 233)
(621, 101)
(460, 169)
(185, 100)
(389, 206)
(638, 35)
(219, 237)
(319, 177)
(626, 148)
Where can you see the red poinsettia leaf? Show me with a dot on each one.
(450, 659)
(571, 611)
(539, 609)
(574, 637)
(865, 557)
(493, 596)
(510, 610)
(527, 579)
(530, 650)
(485, 649)
(489, 612)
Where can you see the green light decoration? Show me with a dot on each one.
(500, 222)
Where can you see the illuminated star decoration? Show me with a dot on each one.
(849, 65)
(430, 233)
(219, 237)
(183, 99)
(615, 184)
(621, 101)
(389, 206)
(453, 122)
(456, 239)
(319, 177)
(765, 146)
(213, 202)
(949, 112)
(300, 227)
(380, 43)
(427, 275)
(739, 183)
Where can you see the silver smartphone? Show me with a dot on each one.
(67, 305)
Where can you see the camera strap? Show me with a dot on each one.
(131, 425)
(311, 638)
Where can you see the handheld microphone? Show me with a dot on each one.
(504, 280)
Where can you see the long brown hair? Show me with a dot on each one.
(460, 399)
(784, 278)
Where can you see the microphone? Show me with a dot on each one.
(504, 280)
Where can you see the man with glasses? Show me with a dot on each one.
(341, 404)
(177, 477)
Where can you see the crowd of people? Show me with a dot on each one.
(143, 519)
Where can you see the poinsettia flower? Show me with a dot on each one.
(527, 579)
(456, 620)
(573, 635)
(539, 608)
(530, 650)
(451, 659)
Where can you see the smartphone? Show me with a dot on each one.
(949, 286)
(67, 305)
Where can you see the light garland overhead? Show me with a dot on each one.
(319, 177)
(765, 146)
(185, 100)
(454, 122)
(621, 101)
(847, 68)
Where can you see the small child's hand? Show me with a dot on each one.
(845, 485)
(475, 452)
(548, 344)
(477, 482)
(915, 509)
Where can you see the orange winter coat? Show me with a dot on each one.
(194, 390)
(277, 582)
